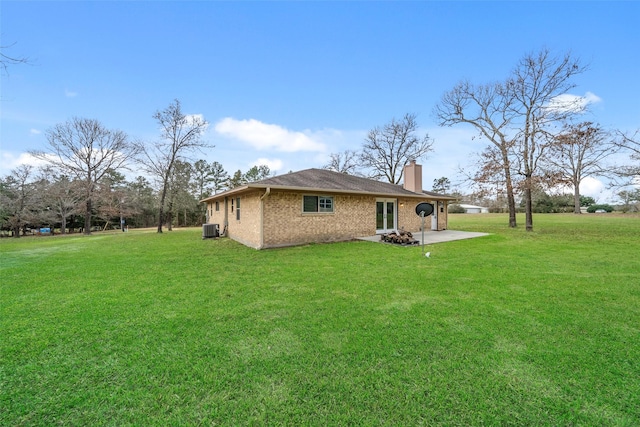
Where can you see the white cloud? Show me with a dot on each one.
(35, 131)
(264, 136)
(10, 161)
(273, 164)
(70, 94)
(573, 103)
(591, 187)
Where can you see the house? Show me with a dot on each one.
(318, 205)
(471, 209)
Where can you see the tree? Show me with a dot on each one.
(64, 195)
(202, 178)
(84, 149)
(387, 149)
(17, 198)
(344, 162)
(441, 185)
(578, 152)
(237, 179)
(179, 196)
(630, 200)
(220, 177)
(631, 144)
(485, 108)
(180, 135)
(535, 87)
(516, 116)
(143, 202)
(257, 173)
(587, 201)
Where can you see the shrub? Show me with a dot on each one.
(594, 208)
(455, 209)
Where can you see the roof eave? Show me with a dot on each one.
(322, 190)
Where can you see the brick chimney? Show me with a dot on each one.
(413, 177)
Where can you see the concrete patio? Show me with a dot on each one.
(435, 236)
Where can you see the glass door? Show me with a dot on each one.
(385, 215)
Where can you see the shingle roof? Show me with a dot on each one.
(330, 181)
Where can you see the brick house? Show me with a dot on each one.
(318, 205)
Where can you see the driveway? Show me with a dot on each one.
(435, 236)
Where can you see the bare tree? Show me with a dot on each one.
(180, 135)
(518, 116)
(84, 149)
(630, 143)
(579, 152)
(389, 148)
(486, 108)
(343, 162)
(536, 85)
(64, 195)
(17, 198)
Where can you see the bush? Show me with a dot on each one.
(453, 209)
(594, 208)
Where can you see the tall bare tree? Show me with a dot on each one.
(536, 86)
(387, 149)
(181, 134)
(577, 153)
(86, 150)
(486, 108)
(518, 116)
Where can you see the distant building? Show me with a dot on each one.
(473, 209)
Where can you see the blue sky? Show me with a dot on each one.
(288, 83)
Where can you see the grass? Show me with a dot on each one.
(514, 328)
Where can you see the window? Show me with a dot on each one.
(238, 208)
(217, 206)
(317, 204)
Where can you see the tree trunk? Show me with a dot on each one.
(63, 225)
(511, 202)
(170, 217)
(87, 217)
(163, 195)
(576, 199)
(528, 204)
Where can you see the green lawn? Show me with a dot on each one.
(514, 328)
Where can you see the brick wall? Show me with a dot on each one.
(407, 215)
(284, 224)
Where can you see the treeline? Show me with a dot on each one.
(32, 198)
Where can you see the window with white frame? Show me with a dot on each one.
(313, 204)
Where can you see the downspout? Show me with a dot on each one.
(225, 223)
(264, 196)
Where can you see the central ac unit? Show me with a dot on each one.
(210, 230)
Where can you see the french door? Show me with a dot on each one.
(386, 215)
